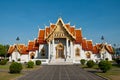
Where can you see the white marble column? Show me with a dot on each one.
(53, 43)
(73, 54)
(49, 50)
(71, 50)
(66, 48)
(39, 51)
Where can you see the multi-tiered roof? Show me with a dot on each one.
(44, 34)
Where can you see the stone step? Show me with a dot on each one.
(61, 62)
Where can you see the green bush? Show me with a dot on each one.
(90, 63)
(15, 67)
(3, 62)
(117, 60)
(82, 61)
(38, 62)
(105, 65)
(30, 64)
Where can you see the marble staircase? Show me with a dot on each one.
(61, 62)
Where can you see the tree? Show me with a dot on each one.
(3, 50)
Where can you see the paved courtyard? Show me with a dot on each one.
(60, 72)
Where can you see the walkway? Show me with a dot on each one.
(60, 72)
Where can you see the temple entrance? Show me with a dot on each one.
(60, 51)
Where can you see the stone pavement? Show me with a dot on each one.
(60, 72)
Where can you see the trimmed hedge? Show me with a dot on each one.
(105, 65)
(15, 67)
(90, 63)
(3, 62)
(82, 61)
(38, 62)
(30, 64)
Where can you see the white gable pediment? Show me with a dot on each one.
(60, 31)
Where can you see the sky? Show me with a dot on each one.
(23, 18)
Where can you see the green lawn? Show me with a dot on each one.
(6, 67)
(8, 76)
(5, 75)
(113, 74)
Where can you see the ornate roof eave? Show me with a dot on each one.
(69, 32)
(50, 33)
(60, 19)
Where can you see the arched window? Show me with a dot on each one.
(88, 55)
(32, 55)
(77, 52)
(43, 51)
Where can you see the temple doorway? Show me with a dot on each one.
(60, 51)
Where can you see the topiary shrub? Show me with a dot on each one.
(82, 61)
(104, 65)
(90, 63)
(38, 62)
(15, 67)
(3, 62)
(30, 64)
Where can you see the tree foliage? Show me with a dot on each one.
(3, 50)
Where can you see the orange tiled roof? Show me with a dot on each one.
(20, 47)
(36, 45)
(78, 36)
(98, 47)
(41, 35)
(84, 44)
(30, 45)
(52, 26)
(24, 50)
(72, 31)
(11, 49)
(95, 49)
(89, 45)
(47, 32)
(109, 49)
(67, 26)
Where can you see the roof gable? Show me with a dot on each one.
(60, 30)
(21, 48)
